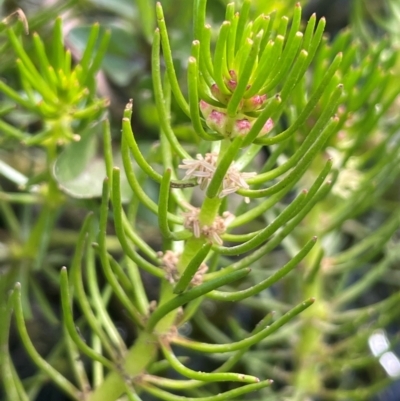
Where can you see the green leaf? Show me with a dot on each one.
(80, 172)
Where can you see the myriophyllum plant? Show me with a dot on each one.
(56, 107)
(56, 91)
(263, 102)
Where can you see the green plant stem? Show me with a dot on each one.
(207, 377)
(208, 212)
(138, 357)
(57, 377)
(192, 268)
(10, 379)
(228, 395)
(308, 377)
(174, 303)
(249, 341)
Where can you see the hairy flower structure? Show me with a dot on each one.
(203, 168)
(170, 260)
(214, 231)
(234, 180)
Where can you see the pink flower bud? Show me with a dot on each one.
(217, 121)
(232, 84)
(268, 126)
(241, 127)
(258, 100)
(233, 75)
(218, 95)
(254, 103)
(215, 118)
(205, 108)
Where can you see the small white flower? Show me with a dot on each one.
(212, 232)
(203, 168)
(235, 180)
(200, 168)
(170, 261)
(198, 277)
(191, 221)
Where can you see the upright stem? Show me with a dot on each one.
(208, 213)
(138, 358)
(311, 346)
